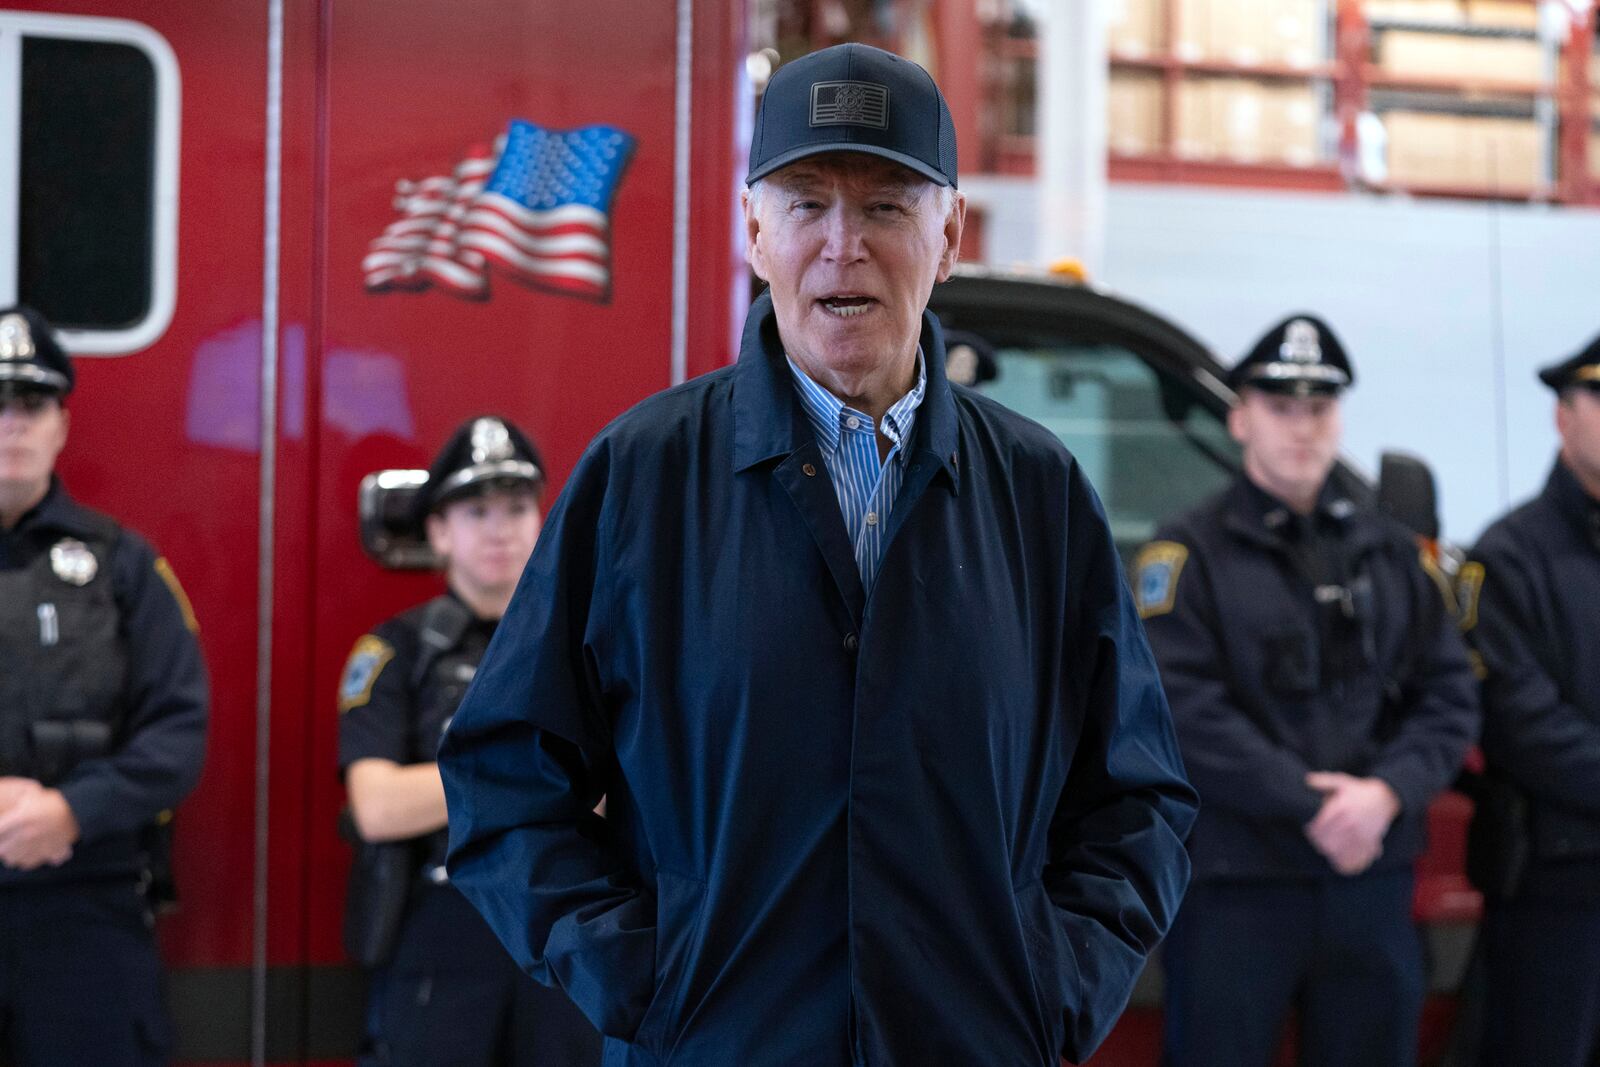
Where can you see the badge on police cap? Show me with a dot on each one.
(16, 339)
(491, 441)
(1301, 343)
(73, 562)
(1156, 570)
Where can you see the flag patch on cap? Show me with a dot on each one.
(850, 104)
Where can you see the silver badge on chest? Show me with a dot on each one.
(73, 562)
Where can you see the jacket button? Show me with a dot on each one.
(810, 471)
(851, 643)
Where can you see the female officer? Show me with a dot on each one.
(448, 995)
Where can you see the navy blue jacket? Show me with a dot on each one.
(1244, 652)
(1531, 596)
(940, 824)
(160, 745)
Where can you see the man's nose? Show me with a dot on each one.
(845, 232)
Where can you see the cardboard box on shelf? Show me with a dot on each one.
(1291, 126)
(1138, 27)
(1190, 33)
(1465, 151)
(1135, 113)
(1247, 121)
(1416, 10)
(1193, 137)
(1293, 32)
(1450, 57)
(1506, 13)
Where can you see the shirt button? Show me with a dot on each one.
(810, 471)
(852, 423)
(851, 643)
(872, 518)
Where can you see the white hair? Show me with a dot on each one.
(944, 196)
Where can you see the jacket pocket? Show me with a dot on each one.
(1051, 964)
(680, 904)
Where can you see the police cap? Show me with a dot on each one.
(1581, 369)
(1300, 356)
(31, 359)
(854, 98)
(485, 452)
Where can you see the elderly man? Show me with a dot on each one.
(1531, 607)
(889, 775)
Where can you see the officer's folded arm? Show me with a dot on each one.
(394, 802)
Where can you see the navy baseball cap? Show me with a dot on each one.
(31, 359)
(854, 98)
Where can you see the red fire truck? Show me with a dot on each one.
(258, 225)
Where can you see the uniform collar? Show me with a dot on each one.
(1261, 516)
(1564, 489)
(56, 512)
(770, 422)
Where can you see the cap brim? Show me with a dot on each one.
(470, 478)
(794, 155)
(35, 375)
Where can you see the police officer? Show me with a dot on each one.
(1322, 697)
(102, 731)
(450, 996)
(1530, 599)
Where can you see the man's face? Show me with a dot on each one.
(1578, 423)
(1290, 442)
(851, 247)
(486, 539)
(33, 431)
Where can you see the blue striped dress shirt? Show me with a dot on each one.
(849, 443)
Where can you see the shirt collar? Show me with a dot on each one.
(829, 416)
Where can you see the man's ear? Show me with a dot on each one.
(953, 224)
(752, 237)
(1238, 422)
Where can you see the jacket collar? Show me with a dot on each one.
(1567, 494)
(57, 512)
(1259, 516)
(769, 422)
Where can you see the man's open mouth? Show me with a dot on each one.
(846, 305)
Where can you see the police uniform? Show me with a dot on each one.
(1530, 596)
(450, 995)
(1290, 644)
(103, 696)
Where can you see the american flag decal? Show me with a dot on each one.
(536, 207)
(849, 104)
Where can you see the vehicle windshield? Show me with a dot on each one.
(1148, 443)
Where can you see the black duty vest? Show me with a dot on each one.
(449, 650)
(65, 660)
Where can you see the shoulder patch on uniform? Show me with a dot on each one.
(1441, 581)
(1469, 585)
(1155, 577)
(361, 671)
(168, 575)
